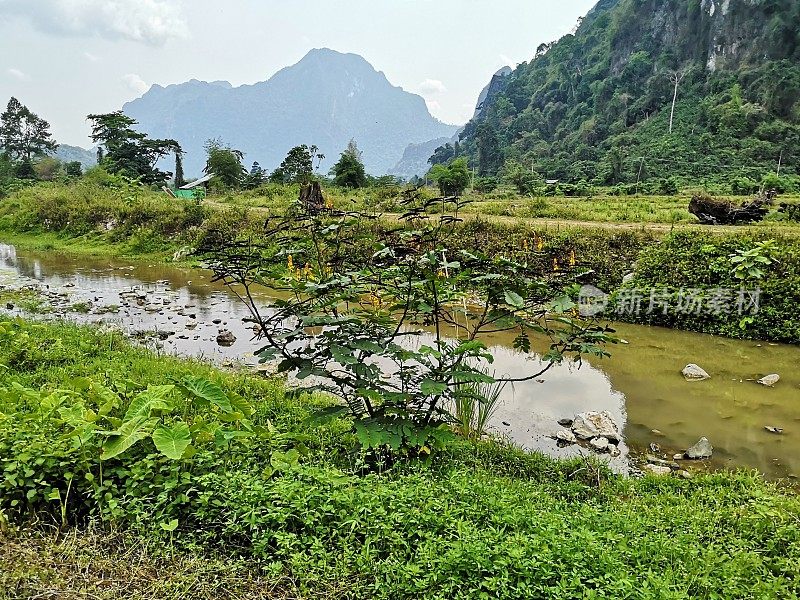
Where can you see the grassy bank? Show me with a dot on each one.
(294, 511)
(107, 217)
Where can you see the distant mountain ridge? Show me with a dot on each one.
(66, 153)
(326, 99)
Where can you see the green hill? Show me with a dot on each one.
(596, 105)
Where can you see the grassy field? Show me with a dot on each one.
(481, 520)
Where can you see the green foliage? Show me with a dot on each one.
(24, 135)
(595, 103)
(452, 178)
(311, 523)
(709, 263)
(298, 166)
(129, 152)
(225, 163)
(349, 171)
(353, 299)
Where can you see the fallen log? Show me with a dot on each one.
(721, 211)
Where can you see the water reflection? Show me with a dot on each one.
(640, 386)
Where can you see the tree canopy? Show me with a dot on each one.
(225, 163)
(130, 152)
(349, 171)
(23, 134)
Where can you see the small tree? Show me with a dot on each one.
(525, 180)
(24, 135)
(391, 322)
(73, 169)
(452, 179)
(225, 163)
(349, 172)
(298, 166)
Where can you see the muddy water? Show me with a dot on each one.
(640, 385)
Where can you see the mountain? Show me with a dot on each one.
(66, 153)
(326, 99)
(414, 162)
(596, 105)
(415, 158)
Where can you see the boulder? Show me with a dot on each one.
(226, 338)
(694, 373)
(590, 425)
(770, 380)
(614, 450)
(702, 449)
(566, 422)
(628, 277)
(599, 444)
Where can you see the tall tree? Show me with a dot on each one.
(180, 180)
(130, 152)
(298, 166)
(23, 134)
(349, 171)
(225, 163)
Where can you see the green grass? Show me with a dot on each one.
(482, 520)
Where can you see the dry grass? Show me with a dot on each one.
(91, 564)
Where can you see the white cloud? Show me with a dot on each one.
(431, 87)
(433, 106)
(135, 83)
(91, 57)
(17, 74)
(148, 21)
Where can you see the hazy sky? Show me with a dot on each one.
(67, 58)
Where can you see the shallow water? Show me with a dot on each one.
(641, 385)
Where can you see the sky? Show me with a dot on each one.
(65, 59)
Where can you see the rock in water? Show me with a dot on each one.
(590, 425)
(770, 380)
(657, 470)
(226, 338)
(694, 373)
(702, 449)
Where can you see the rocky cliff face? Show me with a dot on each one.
(593, 104)
(326, 99)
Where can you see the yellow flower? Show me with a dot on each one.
(290, 263)
(539, 244)
(572, 260)
(555, 265)
(441, 274)
(329, 203)
(525, 245)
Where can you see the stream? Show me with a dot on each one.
(640, 386)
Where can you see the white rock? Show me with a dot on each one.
(566, 436)
(599, 444)
(590, 425)
(657, 470)
(614, 450)
(702, 449)
(770, 380)
(694, 373)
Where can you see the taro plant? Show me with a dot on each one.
(749, 265)
(385, 317)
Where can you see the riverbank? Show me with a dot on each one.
(294, 507)
(653, 262)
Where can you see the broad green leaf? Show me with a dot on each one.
(514, 299)
(203, 389)
(127, 435)
(172, 441)
(170, 526)
(432, 388)
(153, 398)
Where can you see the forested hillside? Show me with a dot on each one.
(597, 105)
